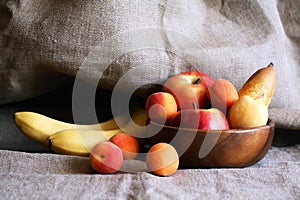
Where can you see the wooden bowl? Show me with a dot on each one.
(214, 148)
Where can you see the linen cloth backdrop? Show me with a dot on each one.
(45, 42)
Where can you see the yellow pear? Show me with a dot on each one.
(261, 85)
(248, 113)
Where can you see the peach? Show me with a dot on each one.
(127, 143)
(106, 158)
(222, 94)
(162, 159)
(161, 107)
(247, 113)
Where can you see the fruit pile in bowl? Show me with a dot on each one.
(209, 122)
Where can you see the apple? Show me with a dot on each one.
(206, 119)
(189, 87)
(161, 107)
(106, 158)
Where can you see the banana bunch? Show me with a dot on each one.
(74, 139)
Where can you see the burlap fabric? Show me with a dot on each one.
(46, 176)
(43, 42)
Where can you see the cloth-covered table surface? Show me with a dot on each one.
(30, 171)
(137, 45)
(50, 176)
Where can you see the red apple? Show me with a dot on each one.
(189, 87)
(161, 107)
(106, 158)
(206, 119)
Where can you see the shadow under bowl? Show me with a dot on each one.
(233, 148)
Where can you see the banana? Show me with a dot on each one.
(137, 125)
(39, 127)
(78, 142)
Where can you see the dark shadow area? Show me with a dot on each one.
(5, 16)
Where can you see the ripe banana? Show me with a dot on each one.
(78, 142)
(39, 127)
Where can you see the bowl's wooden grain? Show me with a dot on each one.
(229, 148)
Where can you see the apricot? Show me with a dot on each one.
(127, 143)
(248, 113)
(162, 159)
(106, 158)
(222, 94)
(161, 107)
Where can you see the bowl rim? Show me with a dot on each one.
(269, 124)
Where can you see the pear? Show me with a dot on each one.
(261, 85)
(248, 113)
